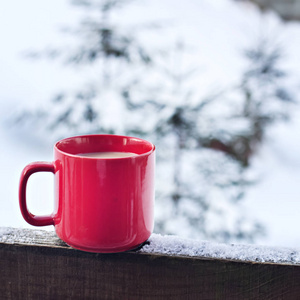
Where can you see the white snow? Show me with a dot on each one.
(217, 31)
(171, 245)
(174, 245)
(9, 235)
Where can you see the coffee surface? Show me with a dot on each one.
(108, 154)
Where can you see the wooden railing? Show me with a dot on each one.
(35, 264)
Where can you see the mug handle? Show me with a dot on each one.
(27, 171)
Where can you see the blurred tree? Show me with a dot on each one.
(263, 100)
(107, 51)
(198, 188)
(204, 143)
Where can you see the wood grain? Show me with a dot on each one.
(40, 266)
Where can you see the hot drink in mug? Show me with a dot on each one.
(107, 154)
(104, 192)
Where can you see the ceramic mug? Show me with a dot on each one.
(101, 204)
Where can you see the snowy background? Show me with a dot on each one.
(219, 30)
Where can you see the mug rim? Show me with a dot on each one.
(56, 146)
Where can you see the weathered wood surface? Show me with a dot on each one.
(37, 265)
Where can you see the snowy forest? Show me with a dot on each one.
(137, 75)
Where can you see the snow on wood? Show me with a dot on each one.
(21, 236)
(168, 245)
(174, 245)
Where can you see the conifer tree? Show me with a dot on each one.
(204, 144)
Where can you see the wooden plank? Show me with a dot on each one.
(39, 266)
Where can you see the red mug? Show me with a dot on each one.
(102, 205)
